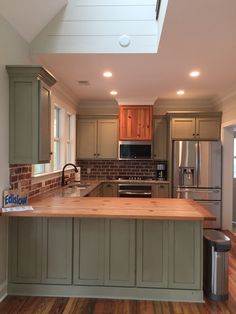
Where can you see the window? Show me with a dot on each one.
(63, 142)
(68, 139)
(56, 139)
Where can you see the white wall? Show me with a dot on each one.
(13, 50)
(227, 105)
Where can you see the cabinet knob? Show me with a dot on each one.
(94, 154)
(51, 153)
(98, 154)
(193, 134)
(197, 134)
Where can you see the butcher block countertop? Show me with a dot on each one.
(55, 205)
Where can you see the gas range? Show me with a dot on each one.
(136, 178)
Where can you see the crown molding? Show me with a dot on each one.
(226, 97)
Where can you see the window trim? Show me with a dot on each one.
(61, 139)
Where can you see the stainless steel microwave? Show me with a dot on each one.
(135, 150)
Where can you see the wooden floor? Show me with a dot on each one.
(15, 305)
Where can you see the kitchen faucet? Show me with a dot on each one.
(63, 173)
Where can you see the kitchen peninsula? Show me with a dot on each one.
(107, 247)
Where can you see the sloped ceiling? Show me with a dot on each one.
(29, 17)
(196, 35)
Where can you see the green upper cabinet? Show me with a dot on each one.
(30, 114)
(198, 127)
(160, 139)
(97, 138)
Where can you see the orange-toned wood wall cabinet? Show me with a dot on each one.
(135, 123)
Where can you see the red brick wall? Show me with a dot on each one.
(21, 179)
(117, 168)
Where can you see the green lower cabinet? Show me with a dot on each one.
(185, 255)
(119, 252)
(25, 245)
(152, 254)
(57, 251)
(88, 251)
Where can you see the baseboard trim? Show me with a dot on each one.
(106, 292)
(3, 291)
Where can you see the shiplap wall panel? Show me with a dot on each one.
(106, 28)
(95, 26)
(112, 2)
(101, 13)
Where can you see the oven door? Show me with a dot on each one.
(135, 190)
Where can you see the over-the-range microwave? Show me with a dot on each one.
(135, 150)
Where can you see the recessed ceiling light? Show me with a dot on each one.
(194, 73)
(113, 92)
(180, 92)
(107, 74)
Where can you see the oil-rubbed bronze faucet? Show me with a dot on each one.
(63, 173)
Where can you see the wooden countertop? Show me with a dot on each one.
(111, 207)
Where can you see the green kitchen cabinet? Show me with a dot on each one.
(160, 138)
(25, 247)
(185, 259)
(160, 190)
(189, 127)
(88, 251)
(152, 254)
(104, 252)
(97, 138)
(30, 114)
(40, 250)
(57, 251)
(119, 252)
(110, 189)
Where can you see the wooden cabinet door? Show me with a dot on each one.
(57, 251)
(185, 254)
(208, 128)
(160, 139)
(152, 254)
(119, 252)
(25, 244)
(135, 122)
(86, 138)
(107, 139)
(88, 252)
(183, 128)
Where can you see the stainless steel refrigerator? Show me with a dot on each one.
(197, 175)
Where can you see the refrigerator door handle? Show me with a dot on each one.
(197, 152)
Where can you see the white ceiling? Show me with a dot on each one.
(196, 35)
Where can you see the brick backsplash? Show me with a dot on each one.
(117, 168)
(21, 179)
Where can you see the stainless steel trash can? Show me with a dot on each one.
(215, 264)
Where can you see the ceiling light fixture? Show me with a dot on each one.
(180, 92)
(194, 73)
(107, 74)
(113, 92)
